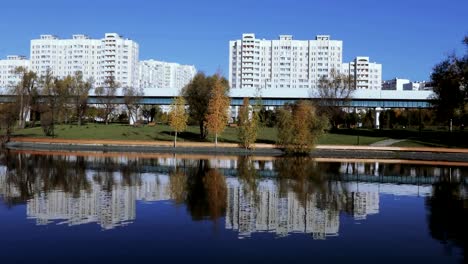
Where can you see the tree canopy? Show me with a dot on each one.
(299, 127)
(198, 94)
(218, 106)
(450, 83)
(177, 116)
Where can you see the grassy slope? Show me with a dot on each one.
(163, 132)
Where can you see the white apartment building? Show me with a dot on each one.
(8, 78)
(160, 74)
(282, 63)
(367, 75)
(417, 86)
(394, 84)
(97, 59)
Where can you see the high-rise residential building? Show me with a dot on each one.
(395, 84)
(98, 59)
(366, 74)
(417, 86)
(160, 74)
(282, 63)
(8, 78)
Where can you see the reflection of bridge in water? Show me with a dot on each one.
(413, 179)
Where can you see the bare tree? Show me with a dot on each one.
(132, 97)
(79, 92)
(335, 91)
(26, 92)
(53, 92)
(107, 96)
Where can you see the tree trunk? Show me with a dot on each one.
(175, 139)
(21, 114)
(202, 130)
(216, 140)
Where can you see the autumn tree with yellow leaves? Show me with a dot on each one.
(217, 116)
(299, 127)
(248, 125)
(178, 116)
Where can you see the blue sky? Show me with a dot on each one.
(408, 37)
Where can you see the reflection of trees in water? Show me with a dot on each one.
(34, 174)
(178, 186)
(206, 192)
(448, 212)
(248, 175)
(17, 176)
(307, 178)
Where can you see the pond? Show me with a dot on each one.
(65, 207)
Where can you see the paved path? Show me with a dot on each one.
(67, 143)
(386, 142)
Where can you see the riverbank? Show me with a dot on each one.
(321, 151)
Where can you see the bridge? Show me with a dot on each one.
(274, 97)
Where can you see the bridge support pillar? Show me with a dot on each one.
(133, 116)
(378, 110)
(234, 113)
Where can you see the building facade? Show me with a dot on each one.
(282, 63)
(366, 74)
(160, 74)
(395, 84)
(8, 78)
(97, 59)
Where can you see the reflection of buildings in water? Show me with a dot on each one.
(268, 211)
(108, 208)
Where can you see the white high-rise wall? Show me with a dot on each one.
(119, 58)
(283, 63)
(8, 78)
(159, 74)
(394, 84)
(367, 75)
(417, 86)
(95, 58)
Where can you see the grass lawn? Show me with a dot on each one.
(164, 133)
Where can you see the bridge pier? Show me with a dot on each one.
(133, 116)
(377, 110)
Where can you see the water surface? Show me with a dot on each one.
(98, 207)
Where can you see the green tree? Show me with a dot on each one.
(218, 106)
(178, 117)
(248, 125)
(450, 83)
(299, 127)
(197, 94)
